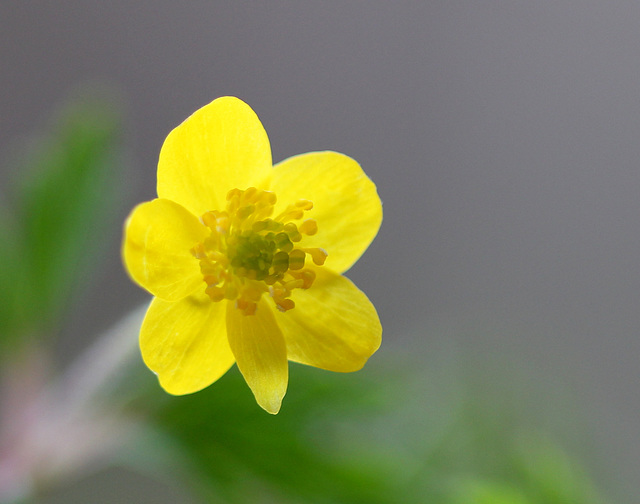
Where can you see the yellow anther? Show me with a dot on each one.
(307, 277)
(304, 204)
(209, 220)
(269, 198)
(292, 230)
(211, 279)
(283, 242)
(296, 259)
(271, 279)
(249, 193)
(318, 255)
(234, 193)
(207, 268)
(280, 262)
(285, 304)
(256, 227)
(292, 212)
(215, 293)
(247, 307)
(199, 251)
(308, 227)
(244, 212)
(295, 214)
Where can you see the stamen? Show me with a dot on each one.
(215, 293)
(308, 227)
(304, 204)
(292, 231)
(248, 253)
(318, 255)
(307, 277)
(296, 259)
(285, 304)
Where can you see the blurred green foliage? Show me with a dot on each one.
(384, 435)
(51, 227)
(236, 453)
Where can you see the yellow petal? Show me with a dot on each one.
(333, 326)
(156, 249)
(258, 346)
(346, 205)
(185, 343)
(220, 147)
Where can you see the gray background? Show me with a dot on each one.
(502, 135)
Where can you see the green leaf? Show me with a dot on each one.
(63, 195)
(551, 474)
(238, 452)
(12, 289)
(479, 491)
(397, 431)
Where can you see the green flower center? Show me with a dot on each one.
(248, 253)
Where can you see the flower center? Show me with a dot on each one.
(248, 253)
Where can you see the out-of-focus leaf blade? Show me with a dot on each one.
(239, 453)
(551, 474)
(479, 491)
(389, 434)
(12, 290)
(64, 192)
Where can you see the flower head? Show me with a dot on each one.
(245, 259)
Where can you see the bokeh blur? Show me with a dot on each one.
(502, 136)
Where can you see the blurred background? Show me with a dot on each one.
(502, 136)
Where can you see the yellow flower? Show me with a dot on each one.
(245, 259)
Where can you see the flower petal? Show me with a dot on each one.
(221, 146)
(333, 326)
(156, 248)
(185, 343)
(346, 205)
(259, 349)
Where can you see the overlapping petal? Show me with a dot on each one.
(259, 349)
(346, 205)
(158, 237)
(221, 146)
(334, 326)
(185, 343)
